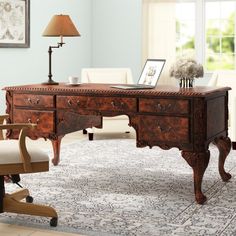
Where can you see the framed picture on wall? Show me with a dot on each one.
(14, 23)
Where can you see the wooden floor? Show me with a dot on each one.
(110, 131)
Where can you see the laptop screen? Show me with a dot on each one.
(151, 71)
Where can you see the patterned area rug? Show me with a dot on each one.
(110, 187)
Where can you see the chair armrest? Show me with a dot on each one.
(25, 156)
(17, 126)
(2, 118)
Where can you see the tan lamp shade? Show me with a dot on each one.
(61, 25)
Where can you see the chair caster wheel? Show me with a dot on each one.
(53, 222)
(29, 199)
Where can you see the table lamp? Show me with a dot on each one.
(62, 26)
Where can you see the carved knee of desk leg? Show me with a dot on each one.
(198, 162)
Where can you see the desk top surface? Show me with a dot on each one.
(106, 89)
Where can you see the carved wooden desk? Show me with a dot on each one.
(189, 119)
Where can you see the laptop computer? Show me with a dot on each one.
(149, 77)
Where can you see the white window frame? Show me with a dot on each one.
(200, 27)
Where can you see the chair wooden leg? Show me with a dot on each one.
(2, 192)
(19, 195)
(12, 205)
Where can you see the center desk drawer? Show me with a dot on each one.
(164, 106)
(31, 100)
(97, 103)
(43, 119)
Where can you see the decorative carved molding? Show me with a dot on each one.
(8, 111)
(86, 89)
(8, 101)
(199, 124)
(193, 157)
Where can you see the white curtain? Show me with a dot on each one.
(159, 34)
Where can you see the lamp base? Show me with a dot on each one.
(50, 82)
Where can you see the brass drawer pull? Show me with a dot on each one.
(113, 104)
(163, 107)
(69, 102)
(29, 120)
(164, 129)
(118, 104)
(29, 100)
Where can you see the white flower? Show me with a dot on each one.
(186, 68)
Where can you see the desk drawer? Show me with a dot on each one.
(164, 106)
(164, 128)
(97, 103)
(43, 119)
(29, 100)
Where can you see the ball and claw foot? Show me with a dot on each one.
(53, 222)
(200, 199)
(226, 176)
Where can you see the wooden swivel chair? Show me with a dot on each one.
(15, 159)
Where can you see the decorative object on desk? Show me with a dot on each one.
(73, 80)
(186, 70)
(110, 187)
(14, 24)
(62, 26)
(151, 71)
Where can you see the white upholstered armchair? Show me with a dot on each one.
(112, 76)
(227, 78)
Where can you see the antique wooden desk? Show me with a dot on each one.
(189, 119)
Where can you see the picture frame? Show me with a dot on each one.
(14, 23)
(151, 71)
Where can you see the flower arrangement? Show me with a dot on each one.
(186, 70)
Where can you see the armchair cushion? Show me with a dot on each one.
(10, 154)
(107, 75)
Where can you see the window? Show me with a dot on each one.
(220, 35)
(204, 29)
(185, 29)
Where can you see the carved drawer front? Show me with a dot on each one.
(71, 102)
(165, 106)
(97, 103)
(70, 121)
(29, 100)
(164, 128)
(43, 119)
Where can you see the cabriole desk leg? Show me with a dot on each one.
(56, 144)
(198, 162)
(224, 145)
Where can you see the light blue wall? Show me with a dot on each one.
(110, 37)
(30, 65)
(116, 34)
